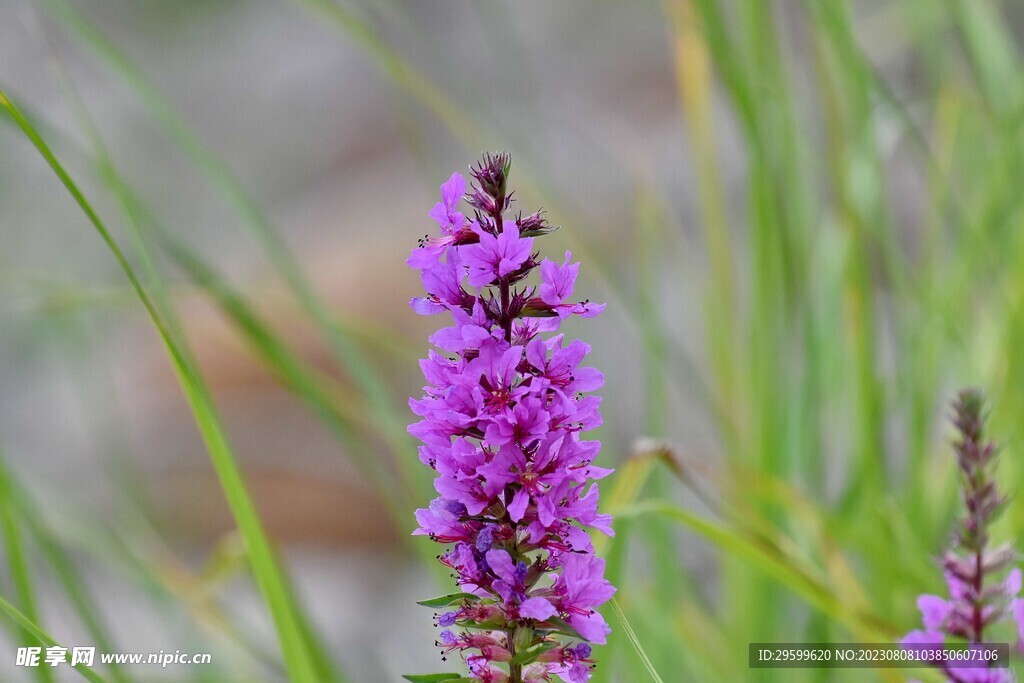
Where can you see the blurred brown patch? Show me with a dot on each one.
(295, 507)
(305, 484)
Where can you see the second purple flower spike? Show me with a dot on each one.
(983, 581)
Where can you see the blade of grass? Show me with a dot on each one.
(141, 554)
(328, 401)
(43, 637)
(404, 74)
(268, 575)
(634, 641)
(17, 560)
(72, 582)
(294, 373)
(991, 53)
(850, 151)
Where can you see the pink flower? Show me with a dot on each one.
(580, 587)
(557, 281)
(453, 230)
(496, 257)
(444, 212)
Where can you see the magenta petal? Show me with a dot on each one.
(517, 508)
(1012, 583)
(1017, 609)
(425, 306)
(537, 608)
(591, 626)
(916, 638)
(453, 189)
(934, 611)
(501, 563)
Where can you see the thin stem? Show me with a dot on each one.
(503, 285)
(515, 671)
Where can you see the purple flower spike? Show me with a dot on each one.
(503, 415)
(977, 599)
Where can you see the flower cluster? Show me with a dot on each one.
(502, 417)
(976, 600)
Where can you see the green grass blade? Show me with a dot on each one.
(73, 584)
(991, 53)
(399, 70)
(17, 560)
(634, 641)
(268, 575)
(43, 637)
(282, 361)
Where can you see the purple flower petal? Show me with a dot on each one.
(537, 608)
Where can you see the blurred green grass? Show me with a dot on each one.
(834, 332)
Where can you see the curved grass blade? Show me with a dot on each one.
(344, 417)
(269, 577)
(765, 558)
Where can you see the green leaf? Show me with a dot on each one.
(450, 599)
(489, 625)
(563, 626)
(530, 654)
(433, 678)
